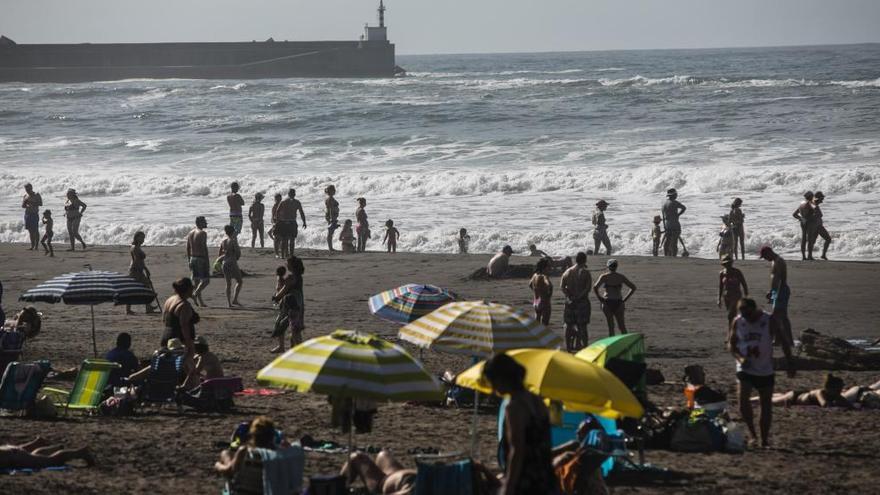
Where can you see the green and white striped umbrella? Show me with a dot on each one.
(351, 364)
(478, 328)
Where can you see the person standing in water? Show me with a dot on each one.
(671, 211)
(236, 202)
(73, 210)
(363, 225)
(197, 253)
(656, 235)
(463, 241)
(614, 302)
(732, 287)
(575, 284)
(49, 233)
(138, 268)
(737, 226)
(255, 215)
(818, 199)
(331, 214)
(230, 252)
(31, 202)
(600, 233)
(806, 215)
(543, 290)
(287, 227)
(780, 293)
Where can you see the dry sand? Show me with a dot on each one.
(814, 450)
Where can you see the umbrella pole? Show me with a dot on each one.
(474, 437)
(94, 340)
(351, 429)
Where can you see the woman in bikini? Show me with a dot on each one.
(543, 289)
(830, 395)
(180, 323)
(73, 210)
(230, 252)
(732, 287)
(614, 302)
(138, 269)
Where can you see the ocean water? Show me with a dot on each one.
(516, 148)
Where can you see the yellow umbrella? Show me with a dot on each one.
(557, 375)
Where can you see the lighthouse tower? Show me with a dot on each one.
(379, 33)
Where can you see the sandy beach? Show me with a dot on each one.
(814, 450)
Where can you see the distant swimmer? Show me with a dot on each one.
(499, 265)
(230, 253)
(236, 202)
(276, 242)
(806, 215)
(576, 283)
(464, 241)
(780, 293)
(73, 210)
(542, 288)
(363, 225)
(600, 232)
(49, 233)
(732, 287)
(331, 214)
(737, 225)
(31, 202)
(392, 235)
(818, 199)
(197, 253)
(287, 228)
(255, 214)
(671, 211)
(613, 301)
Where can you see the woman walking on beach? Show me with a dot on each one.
(818, 199)
(138, 268)
(806, 215)
(363, 225)
(230, 252)
(600, 233)
(73, 210)
(180, 323)
(291, 297)
(614, 302)
(732, 287)
(543, 289)
(331, 214)
(737, 226)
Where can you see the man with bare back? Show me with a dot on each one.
(31, 202)
(235, 202)
(576, 284)
(780, 293)
(287, 228)
(197, 253)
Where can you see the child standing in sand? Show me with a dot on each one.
(391, 236)
(726, 239)
(463, 240)
(255, 215)
(46, 241)
(656, 234)
(346, 237)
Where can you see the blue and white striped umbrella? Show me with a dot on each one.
(88, 289)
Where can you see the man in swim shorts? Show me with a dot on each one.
(235, 202)
(576, 284)
(780, 293)
(287, 228)
(31, 202)
(197, 254)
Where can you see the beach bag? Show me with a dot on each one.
(697, 435)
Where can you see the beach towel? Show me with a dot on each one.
(282, 469)
(260, 391)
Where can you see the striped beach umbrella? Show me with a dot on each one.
(352, 365)
(409, 302)
(90, 288)
(478, 328)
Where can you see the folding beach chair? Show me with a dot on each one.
(11, 344)
(88, 389)
(248, 480)
(446, 474)
(166, 373)
(20, 384)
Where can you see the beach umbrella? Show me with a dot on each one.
(627, 347)
(409, 302)
(478, 328)
(90, 288)
(557, 375)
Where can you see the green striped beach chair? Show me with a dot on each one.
(88, 389)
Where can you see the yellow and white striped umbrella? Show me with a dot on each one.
(478, 328)
(350, 364)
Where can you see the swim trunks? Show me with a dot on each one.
(200, 267)
(31, 221)
(577, 313)
(780, 298)
(287, 228)
(236, 222)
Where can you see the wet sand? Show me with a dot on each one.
(159, 452)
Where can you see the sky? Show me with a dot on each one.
(453, 26)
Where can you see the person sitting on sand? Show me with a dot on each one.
(255, 215)
(463, 241)
(46, 241)
(346, 237)
(806, 215)
(384, 476)
(230, 253)
(27, 321)
(600, 233)
(614, 302)
(575, 284)
(818, 199)
(499, 265)
(197, 253)
(558, 263)
(122, 355)
(656, 235)
(73, 210)
(236, 202)
(40, 454)
(779, 293)
(175, 348)
(543, 290)
(391, 236)
(207, 363)
(830, 395)
(578, 468)
(732, 287)
(265, 442)
(737, 225)
(726, 238)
